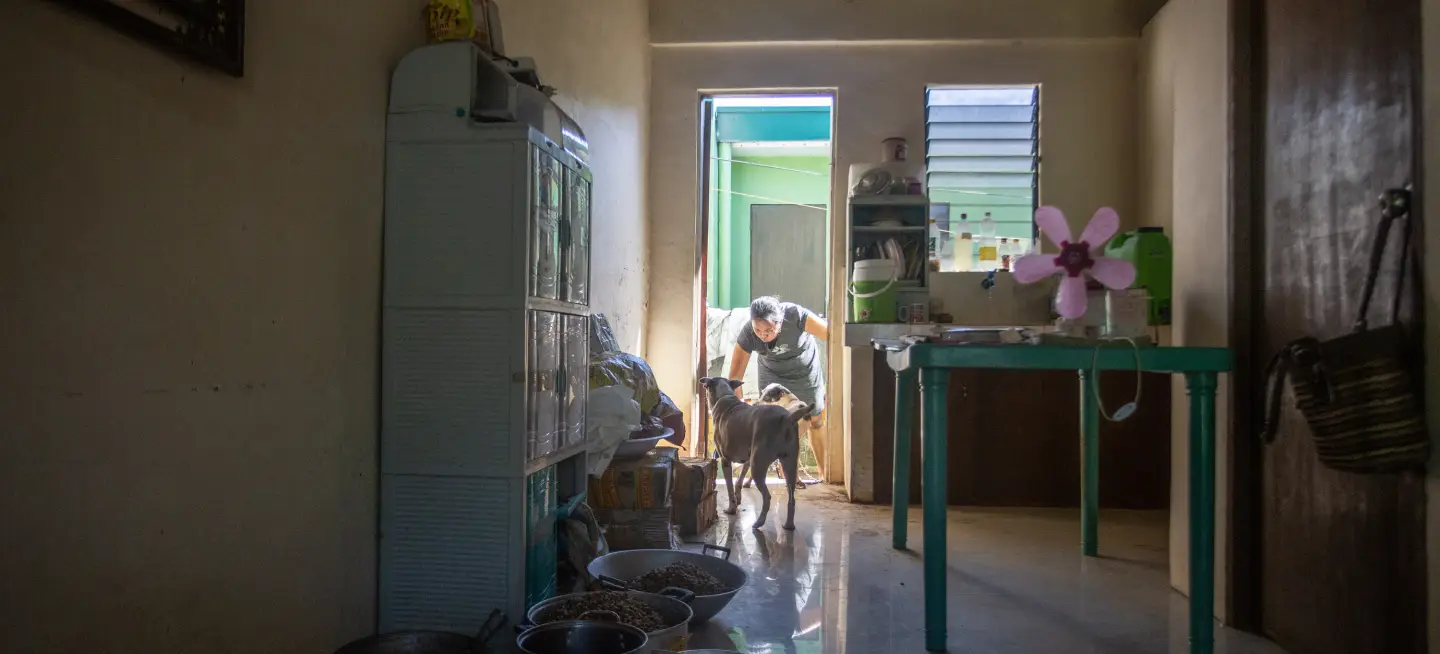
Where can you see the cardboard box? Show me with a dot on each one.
(695, 517)
(635, 529)
(694, 478)
(642, 483)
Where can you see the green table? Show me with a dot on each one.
(931, 364)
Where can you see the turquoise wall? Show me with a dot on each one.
(732, 230)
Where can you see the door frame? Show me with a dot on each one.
(1245, 171)
(698, 443)
(1246, 184)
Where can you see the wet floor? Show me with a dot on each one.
(1017, 583)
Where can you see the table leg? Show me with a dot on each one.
(1089, 466)
(900, 482)
(934, 385)
(1201, 388)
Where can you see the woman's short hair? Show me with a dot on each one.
(767, 308)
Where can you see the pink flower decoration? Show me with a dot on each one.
(1076, 260)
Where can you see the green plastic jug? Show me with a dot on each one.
(872, 287)
(1148, 249)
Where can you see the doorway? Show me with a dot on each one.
(764, 230)
(1325, 562)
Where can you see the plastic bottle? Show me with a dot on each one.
(962, 259)
(989, 252)
(1005, 254)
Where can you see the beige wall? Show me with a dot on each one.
(1088, 141)
(1430, 125)
(707, 21)
(1183, 171)
(596, 54)
(189, 275)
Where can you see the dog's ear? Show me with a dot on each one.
(736, 383)
(799, 412)
(707, 382)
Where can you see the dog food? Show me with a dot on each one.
(631, 611)
(680, 575)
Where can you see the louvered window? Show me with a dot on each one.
(982, 154)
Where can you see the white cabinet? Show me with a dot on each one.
(484, 358)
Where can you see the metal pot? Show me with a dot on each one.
(428, 642)
(629, 564)
(583, 637)
(672, 604)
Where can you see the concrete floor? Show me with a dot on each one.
(1017, 583)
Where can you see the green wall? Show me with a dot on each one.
(730, 233)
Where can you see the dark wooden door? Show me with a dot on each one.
(1342, 568)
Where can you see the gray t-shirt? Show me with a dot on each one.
(792, 359)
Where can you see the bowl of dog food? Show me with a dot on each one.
(663, 616)
(713, 579)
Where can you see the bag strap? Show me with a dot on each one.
(1394, 204)
(1275, 373)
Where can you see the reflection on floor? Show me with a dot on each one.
(1017, 583)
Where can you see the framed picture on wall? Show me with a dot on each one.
(211, 32)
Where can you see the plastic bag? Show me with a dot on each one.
(630, 371)
(458, 20)
(611, 416)
(670, 416)
(602, 339)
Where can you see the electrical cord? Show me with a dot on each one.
(1128, 409)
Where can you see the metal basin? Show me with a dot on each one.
(583, 637)
(411, 642)
(630, 564)
(675, 613)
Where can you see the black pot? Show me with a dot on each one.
(412, 642)
(428, 642)
(582, 637)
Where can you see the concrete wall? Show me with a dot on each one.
(189, 275)
(1183, 169)
(1088, 139)
(706, 21)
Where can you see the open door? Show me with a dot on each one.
(1342, 556)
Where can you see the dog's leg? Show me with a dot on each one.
(745, 474)
(759, 468)
(790, 464)
(729, 486)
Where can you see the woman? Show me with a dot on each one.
(785, 335)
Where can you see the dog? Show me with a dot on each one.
(778, 395)
(757, 436)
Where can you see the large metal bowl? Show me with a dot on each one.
(583, 637)
(629, 564)
(676, 614)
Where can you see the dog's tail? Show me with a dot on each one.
(799, 412)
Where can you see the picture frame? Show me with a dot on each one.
(211, 32)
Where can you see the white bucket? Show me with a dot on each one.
(1127, 313)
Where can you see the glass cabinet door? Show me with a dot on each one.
(543, 401)
(545, 208)
(577, 241)
(577, 371)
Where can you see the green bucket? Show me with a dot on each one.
(872, 288)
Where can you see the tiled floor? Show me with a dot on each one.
(1017, 584)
